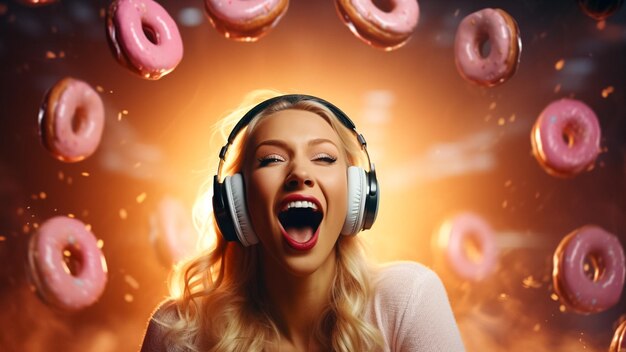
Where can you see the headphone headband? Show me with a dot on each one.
(293, 99)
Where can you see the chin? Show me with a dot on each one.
(301, 263)
(306, 264)
(302, 266)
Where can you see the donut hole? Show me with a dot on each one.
(593, 266)
(73, 260)
(150, 33)
(79, 120)
(384, 5)
(484, 46)
(472, 248)
(570, 134)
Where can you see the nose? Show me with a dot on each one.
(298, 178)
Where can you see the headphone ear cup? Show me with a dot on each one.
(357, 189)
(372, 198)
(236, 197)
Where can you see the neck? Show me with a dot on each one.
(297, 302)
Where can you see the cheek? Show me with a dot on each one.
(256, 194)
(259, 197)
(337, 193)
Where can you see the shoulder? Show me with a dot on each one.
(166, 312)
(404, 276)
(410, 305)
(400, 285)
(164, 316)
(402, 269)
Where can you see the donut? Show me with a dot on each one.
(172, 232)
(37, 2)
(566, 138)
(386, 25)
(245, 20)
(500, 31)
(573, 286)
(460, 238)
(67, 286)
(143, 37)
(618, 344)
(600, 10)
(71, 120)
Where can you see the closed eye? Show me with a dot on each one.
(326, 158)
(270, 159)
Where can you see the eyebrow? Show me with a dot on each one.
(283, 144)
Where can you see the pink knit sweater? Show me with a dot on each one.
(411, 309)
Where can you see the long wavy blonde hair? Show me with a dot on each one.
(223, 306)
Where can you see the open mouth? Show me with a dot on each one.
(300, 222)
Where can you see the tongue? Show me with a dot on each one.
(300, 234)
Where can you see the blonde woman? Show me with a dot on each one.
(294, 187)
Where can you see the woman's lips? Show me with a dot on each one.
(291, 238)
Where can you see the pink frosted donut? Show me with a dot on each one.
(65, 286)
(566, 138)
(575, 289)
(386, 25)
(143, 37)
(618, 344)
(71, 120)
(245, 20)
(499, 29)
(457, 235)
(172, 231)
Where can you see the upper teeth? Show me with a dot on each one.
(300, 204)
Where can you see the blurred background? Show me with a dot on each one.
(441, 144)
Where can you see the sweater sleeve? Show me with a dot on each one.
(419, 316)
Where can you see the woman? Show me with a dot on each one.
(287, 272)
